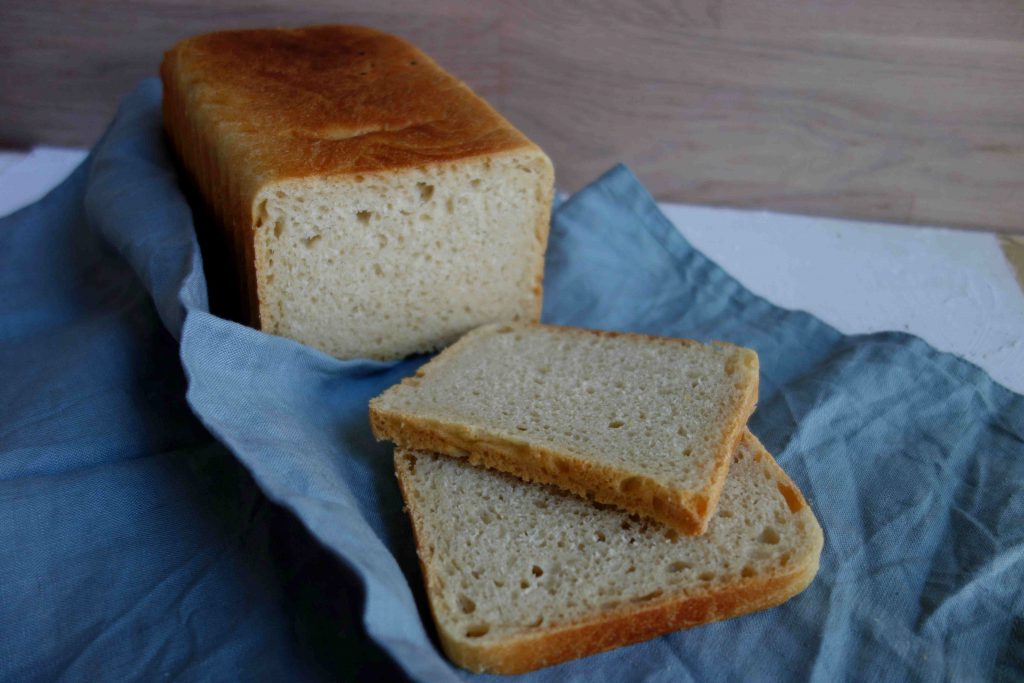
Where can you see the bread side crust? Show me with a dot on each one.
(541, 230)
(625, 625)
(244, 109)
(686, 511)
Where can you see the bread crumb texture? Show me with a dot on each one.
(649, 408)
(399, 263)
(506, 559)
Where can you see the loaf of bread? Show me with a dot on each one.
(372, 205)
(647, 424)
(521, 576)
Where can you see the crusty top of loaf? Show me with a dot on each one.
(331, 100)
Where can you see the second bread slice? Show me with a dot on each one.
(520, 576)
(646, 424)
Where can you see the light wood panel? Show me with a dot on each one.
(899, 110)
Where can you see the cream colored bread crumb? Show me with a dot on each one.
(402, 262)
(521, 576)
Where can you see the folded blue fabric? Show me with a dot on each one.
(182, 496)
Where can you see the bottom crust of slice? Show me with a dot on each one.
(607, 632)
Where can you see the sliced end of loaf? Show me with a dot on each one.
(386, 265)
(521, 576)
(446, 408)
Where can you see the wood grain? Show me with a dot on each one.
(898, 110)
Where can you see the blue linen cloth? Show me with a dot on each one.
(185, 497)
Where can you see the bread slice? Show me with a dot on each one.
(647, 424)
(374, 205)
(521, 576)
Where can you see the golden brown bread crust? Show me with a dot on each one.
(244, 109)
(688, 512)
(628, 624)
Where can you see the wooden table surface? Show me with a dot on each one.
(908, 111)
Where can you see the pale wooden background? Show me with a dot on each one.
(900, 110)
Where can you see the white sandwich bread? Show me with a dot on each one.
(366, 202)
(521, 576)
(647, 424)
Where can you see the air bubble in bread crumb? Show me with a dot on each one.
(466, 604)
(426, 191)
(478, 631)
